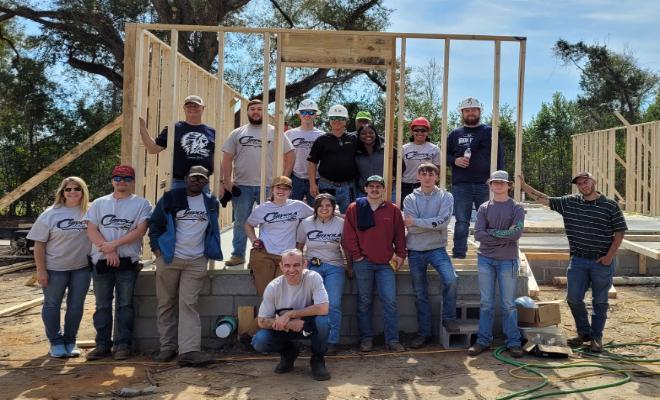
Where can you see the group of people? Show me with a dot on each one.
(326, 220)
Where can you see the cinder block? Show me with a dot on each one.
(233, 284)
(145, 328)
(206, 288)
(145, 285)
(212, 306)
(208, 326)
(404, 284)
(345, 329)
(408, 324)
(406, 306)
(459, 340)
(146, 306)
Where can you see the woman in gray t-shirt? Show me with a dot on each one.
(320, 235)
(61, 247)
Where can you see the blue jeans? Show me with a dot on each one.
(581, 274)
(506, 274)
(106, 287)
(76, 285)
(440, 261)
(333, 280)
(366, 273)
(181, 184)
(466, 195)
(242, 207)
(344, 194)
(300, 190)
(271, 341)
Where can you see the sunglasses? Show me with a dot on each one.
(337, 119)
(127, 179)
(307, 112)
(75, 189)
(420, 130)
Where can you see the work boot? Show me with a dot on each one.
(395, 347)
(596, 345)
(122, 352)
(234, 260)
(98, 353)
(165, 356)
(194, 359)
(288, 356)
(477, 349)
(516, 351)
(72, 350)
(579, 340)
(418, 342)
(319, 372)
(451, 325)
(366, 345)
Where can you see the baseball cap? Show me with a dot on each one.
(582, 174)
(123, 170)
(364, 115)
(198, 170)
(338, 111)
(308, 104)
(501, 176)
(194, 99)
(282, 180)
(375, 178)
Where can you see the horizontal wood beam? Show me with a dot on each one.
(640, 249)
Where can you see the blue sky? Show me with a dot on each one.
(621, 25)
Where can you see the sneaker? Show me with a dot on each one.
(122, 352)
(194, 359)
(477, 349)
(579, 340)
(319, 372)
(366, 345)
(72, 350)
(333, 349)
(58, 351)
(235, 260)
(395, 347)
(516, 351)
(418, 342)
(596, 345)
(165, 356)
(98, 353)
(287, 358)
(451, 326)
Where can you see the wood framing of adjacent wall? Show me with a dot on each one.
(156, 81)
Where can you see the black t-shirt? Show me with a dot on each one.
(194, 145)
(336, 157)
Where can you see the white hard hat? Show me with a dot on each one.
(469, 102)
(308, 104)
(338, 111)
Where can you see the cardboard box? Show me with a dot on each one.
(546, 315)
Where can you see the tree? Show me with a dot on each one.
(609, 82)
(653, 111)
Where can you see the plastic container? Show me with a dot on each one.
(468, 153)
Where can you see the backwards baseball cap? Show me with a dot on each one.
(583, 174)
(499, 176)
(194, 99)
(282, 180)
(123, 170)
(364, 115)
(375, 178)
(308, 104)
(198, 170)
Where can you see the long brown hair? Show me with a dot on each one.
(59, 193)
(318, 200)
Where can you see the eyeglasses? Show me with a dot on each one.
(422, 130)
(337, 119)
(127, 179)
(75, 189)
(307, 112)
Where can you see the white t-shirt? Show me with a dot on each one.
(115, 218)
(416, 154)
(280, 295)
(65, 234)
(191, 227)
(321, 239)
(244, 143)
(278, 224)
(302, 140)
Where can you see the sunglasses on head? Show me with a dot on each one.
(307, 112)
(126, 179)
(75, 189)
(420, 130)
(337, 119)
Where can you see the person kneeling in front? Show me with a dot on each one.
(294, 306)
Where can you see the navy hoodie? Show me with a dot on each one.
(478, 139)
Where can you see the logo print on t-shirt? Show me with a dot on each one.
(416, 155)
(301, 142)
(191, 215)
(195, 144)
(465, 140)
(70, 224)
(318, 236)
(273, 217)
(111, 221)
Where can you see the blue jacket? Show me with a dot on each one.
(162, 227)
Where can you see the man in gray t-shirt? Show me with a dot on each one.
(294, 306)
(241, 167)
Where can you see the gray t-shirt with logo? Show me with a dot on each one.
(191, 227)
(416, 154)
(65, 234)
(278, 224)
(279, 295)
(244, 143)
(302, 140)
(321, 239)
(115, 218)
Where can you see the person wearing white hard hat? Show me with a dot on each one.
(334, 155)
(302, 139)
(468, 155)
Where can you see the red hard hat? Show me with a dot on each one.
(420, 121)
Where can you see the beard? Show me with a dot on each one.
(471, 120)
(255, 121)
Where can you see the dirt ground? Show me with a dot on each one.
(26, 371)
